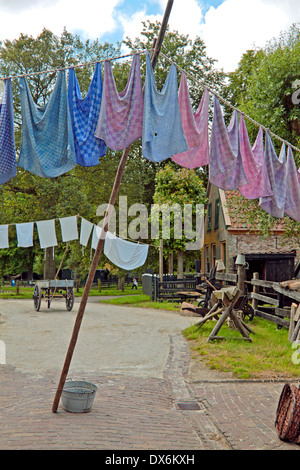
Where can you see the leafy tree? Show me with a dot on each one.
(176, 189)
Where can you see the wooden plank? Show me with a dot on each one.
(261, 283)
(231, 277)
(284, 312)
(272, 318)
(287, 293)
(265, 299)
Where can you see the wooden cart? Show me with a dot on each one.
(53, 289)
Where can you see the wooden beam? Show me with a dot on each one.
(98, 251)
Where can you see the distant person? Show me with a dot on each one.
(134, 283)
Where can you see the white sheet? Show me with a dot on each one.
(25, 234)
(47, 233)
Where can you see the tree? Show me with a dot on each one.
(177, 194)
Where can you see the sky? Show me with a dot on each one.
(228, 27)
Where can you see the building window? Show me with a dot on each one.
(213, 255)
(209, 215)
(223, 252)
(217, 211)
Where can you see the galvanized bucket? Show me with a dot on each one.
(78, 396)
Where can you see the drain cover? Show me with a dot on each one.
(187, 406)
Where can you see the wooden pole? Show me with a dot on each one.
(161, 260)
(98, 251)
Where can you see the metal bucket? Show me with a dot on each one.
(78, 396)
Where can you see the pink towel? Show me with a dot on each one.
(254, 165)
(226, 169)
(292, 203)
(121, 115)
(195, 128)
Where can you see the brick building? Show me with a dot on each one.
(225, 238)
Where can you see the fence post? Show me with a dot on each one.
(255, 290)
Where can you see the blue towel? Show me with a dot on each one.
(47, 144)
(84, 114)
(8, 164)
(162, 130)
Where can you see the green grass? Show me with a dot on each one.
(141, 300)
(269, 356)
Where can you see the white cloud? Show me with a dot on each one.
(92, 18)
(236, 26)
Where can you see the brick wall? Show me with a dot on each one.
(251, 243)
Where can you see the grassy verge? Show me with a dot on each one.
(141, 300)
(9, 292)
(269, 356)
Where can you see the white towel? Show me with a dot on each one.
(47, 233)
(96, 235)
(85, 231)
(4, 243)
(124, 254)
(25, 234)
(69, 229)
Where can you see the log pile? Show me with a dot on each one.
(293, 284)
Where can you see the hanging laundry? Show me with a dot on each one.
(121, 114)
(84, 114)
(69, 228)
(8, 164)
(96, 236)
(226, 169)
(195, 128)
(163, 135)
(4, 242)
(85, 231)
(124, 254)
(47, 144)
(292, 203)
(47, 233)
(25, 234)
(277, 172)
(254, 164)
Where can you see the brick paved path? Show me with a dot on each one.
(141, 412)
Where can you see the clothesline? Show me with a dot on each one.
(121, 252)
(199, 82)
(203, 85)
(86, 64)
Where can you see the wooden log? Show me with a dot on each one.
(265, 299)
(98, 251)
(208, 316)
(295, 332)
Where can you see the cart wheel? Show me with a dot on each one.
(70, 299)
(37, 297)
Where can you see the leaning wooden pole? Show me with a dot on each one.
(113, 197)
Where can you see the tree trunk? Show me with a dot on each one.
(49, 264)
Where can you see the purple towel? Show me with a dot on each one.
(226, 169)
(292, 203)
(254, 165)
(121, 115)
(195, 128)
(277, 171)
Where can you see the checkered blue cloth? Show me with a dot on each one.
(163, 134)
(277, 172)
(47, 144)
(84, 114)
(8, 165)
(121, 114)
(226, 169)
